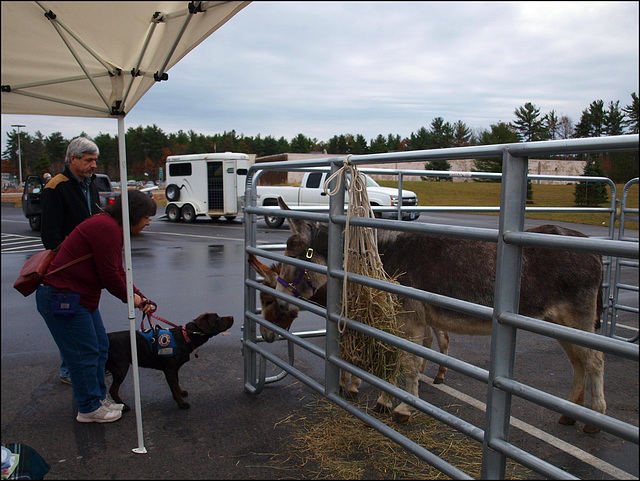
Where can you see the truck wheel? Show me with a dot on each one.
(173, 213)
(377, 215)
(273, 221)
(34, 222)
(172, 192)
(188, 213)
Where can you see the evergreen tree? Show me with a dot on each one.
(440, 134)
(38, 162)
(438, 164)
(269, 146)
(462, 135)
(283, 145)
(632, 114)
(301, 144)
(591, 193)
(528, 123)
(419, 140)
(613, 119)
(108, 161)
(552, 125)
(378, 145)
(395, 143)
(360, 145)
(56, 147)
(592, 122)
(501, 133)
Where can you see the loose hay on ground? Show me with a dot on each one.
(333, 444)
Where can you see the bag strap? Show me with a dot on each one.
(79, 259)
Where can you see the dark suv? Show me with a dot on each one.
(33, 188)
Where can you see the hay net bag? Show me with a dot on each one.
(367, 305)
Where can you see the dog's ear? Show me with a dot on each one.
(212, 324)
(207, 322)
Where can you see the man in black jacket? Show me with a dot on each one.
(72, 196)
(68, 199)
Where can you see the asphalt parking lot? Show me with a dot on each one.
(228, 433)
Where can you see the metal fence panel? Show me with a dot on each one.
(510, 237)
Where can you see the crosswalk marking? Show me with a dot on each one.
(15, 243)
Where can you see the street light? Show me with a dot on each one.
(19, 152)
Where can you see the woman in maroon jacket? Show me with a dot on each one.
(78, 330)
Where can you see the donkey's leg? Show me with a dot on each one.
(384, 403)
(402, 412)
(416, 330)
(443, 343)
(352, 391)
(442, 337)
(354, 387)
(427, 342)
(586, 363)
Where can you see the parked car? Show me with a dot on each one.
(33, 188)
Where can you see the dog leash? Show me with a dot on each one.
(151, 314)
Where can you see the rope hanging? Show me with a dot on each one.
(362, 303)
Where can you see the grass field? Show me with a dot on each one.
(480, 194)
(487, 194)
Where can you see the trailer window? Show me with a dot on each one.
(242, 171)
(180, 170)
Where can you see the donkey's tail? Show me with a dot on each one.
(600, 307)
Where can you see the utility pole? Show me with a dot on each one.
(19, 152)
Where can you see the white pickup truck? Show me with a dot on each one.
(311, 193)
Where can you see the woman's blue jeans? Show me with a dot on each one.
(84, 345)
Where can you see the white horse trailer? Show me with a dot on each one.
(205, 184)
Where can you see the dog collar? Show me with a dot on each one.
(186, 337)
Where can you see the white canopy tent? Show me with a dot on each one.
(97, 59)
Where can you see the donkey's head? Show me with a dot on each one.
(308, 243)
(270, 309)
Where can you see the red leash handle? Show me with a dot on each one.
(150, 314)
(143, 304)
(146, 302)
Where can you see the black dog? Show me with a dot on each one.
(186, 338)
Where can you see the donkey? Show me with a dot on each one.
(563, 287)
(271, 312)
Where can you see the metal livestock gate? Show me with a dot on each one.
(510, 237)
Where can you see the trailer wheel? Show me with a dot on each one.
(230, 217)
(273, 221)
(35, 222)
(188, 213)
(172, 192)
(173, 213)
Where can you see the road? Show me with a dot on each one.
(228, 433)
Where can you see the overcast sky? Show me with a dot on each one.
(325, 69)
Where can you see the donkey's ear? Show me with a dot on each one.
(297, 226)
(269, 274)
(283, 205)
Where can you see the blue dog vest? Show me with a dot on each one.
(160, 341)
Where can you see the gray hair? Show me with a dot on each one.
(79, 147)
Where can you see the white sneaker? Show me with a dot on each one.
(111, 404)
(101, 415)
